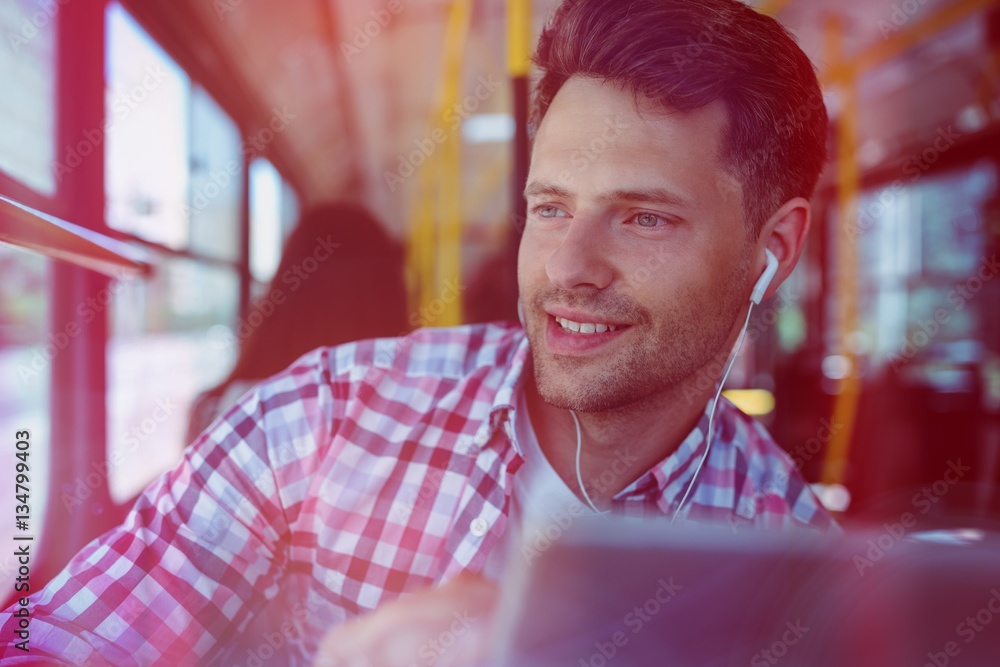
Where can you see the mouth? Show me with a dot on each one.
(584, 328)
(578, 334)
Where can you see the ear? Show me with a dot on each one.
(784, 234)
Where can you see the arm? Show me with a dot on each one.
(202, 549)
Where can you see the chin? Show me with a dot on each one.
(572, 389)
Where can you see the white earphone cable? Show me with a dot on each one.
(579, 477)
(711, 419)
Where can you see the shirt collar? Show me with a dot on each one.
(664, 480)
(502, 409)
(668, 478)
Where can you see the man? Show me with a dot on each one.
(675, 142)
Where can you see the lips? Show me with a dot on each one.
(579, 333)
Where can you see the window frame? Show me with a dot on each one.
(79, 374)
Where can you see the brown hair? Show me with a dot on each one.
(686, 54)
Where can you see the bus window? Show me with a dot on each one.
(28, 82)
(916, 242)
(265, 220)
(175, 185)
(163, 351)
(148, 97)
(274, 211)
(28, 114)
(215, 199)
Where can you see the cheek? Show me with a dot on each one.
(667, 292)
(531, 257)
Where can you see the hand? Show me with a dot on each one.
(438, 627)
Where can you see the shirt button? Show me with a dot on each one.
(478, 527)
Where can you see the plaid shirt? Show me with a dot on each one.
(361, 472)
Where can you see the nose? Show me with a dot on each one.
(582, 257)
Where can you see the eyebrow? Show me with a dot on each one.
(652, 195)
(647, 195)
(540, 188)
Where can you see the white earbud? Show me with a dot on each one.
(765, 278)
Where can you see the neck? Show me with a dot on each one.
(619, 445)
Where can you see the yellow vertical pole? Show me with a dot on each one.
(519, 42)
(519, 38)
(772, 7)
(848, 186)
(449, 269)
(435, 241)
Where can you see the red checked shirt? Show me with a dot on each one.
(361, 472)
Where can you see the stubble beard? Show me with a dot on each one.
(671, 352)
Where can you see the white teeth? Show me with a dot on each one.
(586, 328)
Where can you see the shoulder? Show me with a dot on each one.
(362, 396)
(386, 379)
(446, 353)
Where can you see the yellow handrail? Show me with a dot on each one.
(519, 37)
(436, 233)
(848, 186)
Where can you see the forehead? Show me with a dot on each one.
(597, 135)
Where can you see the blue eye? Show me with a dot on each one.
(649, 220)
(547, 211)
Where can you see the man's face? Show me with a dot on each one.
(633, 225)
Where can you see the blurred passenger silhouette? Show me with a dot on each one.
(356, 292)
